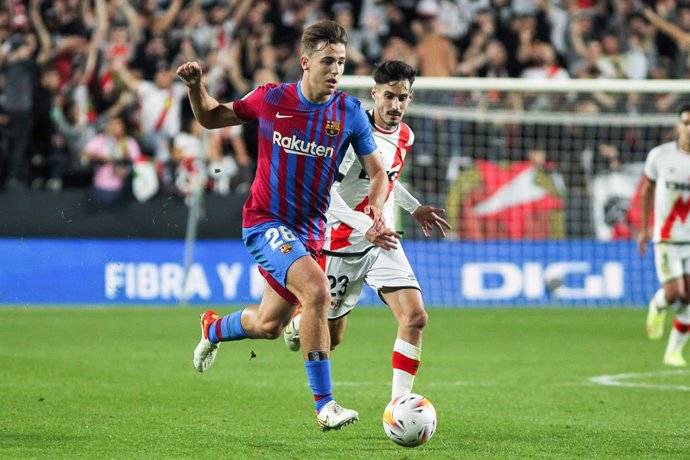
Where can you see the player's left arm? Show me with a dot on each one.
(646, 208)
(426, 216)
(647, 192)
(378, 188)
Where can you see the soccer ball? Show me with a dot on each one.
(409, 420)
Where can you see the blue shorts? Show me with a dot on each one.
(276, 246)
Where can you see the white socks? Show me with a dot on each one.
(680, 332)
(406, 359)
(659, 299)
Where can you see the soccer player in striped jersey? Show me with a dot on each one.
(666, 190)
(305, 129)
(356, 254)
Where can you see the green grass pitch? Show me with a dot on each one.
(508, 383)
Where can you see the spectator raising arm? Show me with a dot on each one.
(130, 81)
(667, 27)
(47, 51)
(99, 34)
(163, 23)
(132, 20)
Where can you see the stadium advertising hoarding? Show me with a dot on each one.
(452, 274)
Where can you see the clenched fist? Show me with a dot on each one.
(190, 73)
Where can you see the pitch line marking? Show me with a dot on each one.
(614, 380)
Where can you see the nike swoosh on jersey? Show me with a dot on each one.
(278, 115)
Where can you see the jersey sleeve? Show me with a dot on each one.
(650, 169)
(249, 107)
(341, 211)
(362, 141)
(404, 198)
(346, 164)
(410, 141)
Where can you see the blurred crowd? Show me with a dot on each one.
(89, 96)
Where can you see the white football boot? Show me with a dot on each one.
(675, 359)
(333, 416)
(205, 352)
(654, 325)
(291, 333)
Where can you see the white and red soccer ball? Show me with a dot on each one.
(409, 420)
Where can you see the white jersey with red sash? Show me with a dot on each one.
(353, 187)
(669, 168)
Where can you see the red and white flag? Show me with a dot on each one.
(616, 202)
(519, 201)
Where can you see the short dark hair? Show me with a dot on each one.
(683, 108)
(326, 31)
(394, 70)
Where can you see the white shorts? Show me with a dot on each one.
(377, 268)
(672, 261)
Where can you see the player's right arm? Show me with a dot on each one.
(208, 111)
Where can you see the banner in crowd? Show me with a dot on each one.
(616, 202)
(451, 274)
(519, 200)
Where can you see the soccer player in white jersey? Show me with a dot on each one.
(666, 189)
(355, 254)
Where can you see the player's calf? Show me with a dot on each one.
(336, 329)
(269, 329)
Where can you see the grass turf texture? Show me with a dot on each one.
(119, 383)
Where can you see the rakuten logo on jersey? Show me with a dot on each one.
(300, 147)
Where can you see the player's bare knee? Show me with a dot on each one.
(676, 294)
(415, 319)
(316, 296)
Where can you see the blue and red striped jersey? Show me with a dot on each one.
(301, 145)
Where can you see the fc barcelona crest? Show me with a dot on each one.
(332, 127)
(286, 248)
